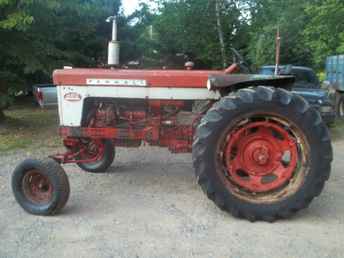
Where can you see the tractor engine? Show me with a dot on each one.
(167, 123)
(116, 114)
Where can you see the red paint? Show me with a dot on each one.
(94, 133)
(177, 139)
(133, 116)
(232, 69)
(154, 78)
(157, 104)
(79, 152)
(153, 126)
(254, 156)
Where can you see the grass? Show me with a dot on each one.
(27, 126)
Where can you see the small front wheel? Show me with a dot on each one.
(41, 187)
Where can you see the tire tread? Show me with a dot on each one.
(232, 103)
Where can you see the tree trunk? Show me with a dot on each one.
(220, 33)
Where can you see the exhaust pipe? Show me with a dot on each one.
(114, 47)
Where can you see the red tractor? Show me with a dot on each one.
(259, 151)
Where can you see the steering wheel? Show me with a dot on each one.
(240, 61)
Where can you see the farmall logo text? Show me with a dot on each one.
(72, 96)
(117, 82)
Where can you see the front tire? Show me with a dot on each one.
(262, 154)
(40, 187)
(105, 160)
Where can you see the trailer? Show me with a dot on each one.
(335, 79)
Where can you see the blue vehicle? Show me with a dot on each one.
(335, 79)
(308, 86)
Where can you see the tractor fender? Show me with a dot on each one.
(231, 82)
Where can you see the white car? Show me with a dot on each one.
(45, 95)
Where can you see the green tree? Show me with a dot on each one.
(14, 20)
(290, 17)
(324, 33)
(138, 37)
(191, 26)
(39, 36)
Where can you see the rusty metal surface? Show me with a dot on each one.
(37, 187)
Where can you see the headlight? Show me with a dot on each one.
(320, 101)
(326, 109)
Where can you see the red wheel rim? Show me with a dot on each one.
(260, 156)
(92, 150)
(37, 187)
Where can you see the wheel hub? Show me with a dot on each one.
(91, 151)
(37, 187)
(257, 155)
(260, 156)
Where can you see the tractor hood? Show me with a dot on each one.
(132, 77)
(164, 78)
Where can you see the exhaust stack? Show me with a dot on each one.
(114, 47)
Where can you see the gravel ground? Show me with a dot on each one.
(150, 206)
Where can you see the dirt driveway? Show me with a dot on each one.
(150, 206)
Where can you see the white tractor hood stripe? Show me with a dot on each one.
(116, 82)
(71, 111)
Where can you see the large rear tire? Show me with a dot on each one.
(262, 154)
(40, 187)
